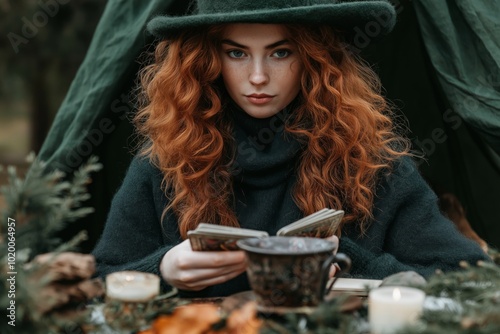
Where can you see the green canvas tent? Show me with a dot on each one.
(440, 66)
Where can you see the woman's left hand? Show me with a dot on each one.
(334, 267)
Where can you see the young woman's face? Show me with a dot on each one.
(260, 67)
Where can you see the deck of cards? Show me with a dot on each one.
(210, 237)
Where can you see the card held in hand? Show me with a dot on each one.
(321, 224)
(210, 237)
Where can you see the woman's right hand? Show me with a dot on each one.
(186, 269)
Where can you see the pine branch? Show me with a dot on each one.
(41, 204)
(476, 294)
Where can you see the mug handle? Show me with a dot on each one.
(340, 258)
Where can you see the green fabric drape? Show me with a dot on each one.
(456, 158)
(462, 38)
(94, 117)
(99, 92)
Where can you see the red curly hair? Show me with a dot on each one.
(343, 119)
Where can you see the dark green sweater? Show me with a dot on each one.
(408, 232)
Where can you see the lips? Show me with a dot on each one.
(259, 98)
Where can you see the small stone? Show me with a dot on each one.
(405, 278)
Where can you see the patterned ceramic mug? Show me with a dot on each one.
(289, 274)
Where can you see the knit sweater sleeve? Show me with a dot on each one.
(132, 237)
(408, 232)
(368, 264)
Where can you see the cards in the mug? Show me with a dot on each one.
(209, 237)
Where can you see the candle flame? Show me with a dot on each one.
(396, 294)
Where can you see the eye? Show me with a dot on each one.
(235, 53)
(283, 53)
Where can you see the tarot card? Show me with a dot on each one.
(321, 224)
(209, 237)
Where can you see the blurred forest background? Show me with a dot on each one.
(43, 43)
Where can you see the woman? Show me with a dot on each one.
(255, 115)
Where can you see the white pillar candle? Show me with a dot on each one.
(390, 308)
(132, 286)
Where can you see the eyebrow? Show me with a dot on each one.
(270, 46)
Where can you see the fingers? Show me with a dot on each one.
(205, 278)
(197, 279)
(195, 260)
(334, 269)
(213, 259)
(333, 238)
(192, 275)
(186, 269)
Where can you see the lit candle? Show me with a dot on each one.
(390, 308)
(132, 286)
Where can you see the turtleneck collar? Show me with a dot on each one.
(265, 154)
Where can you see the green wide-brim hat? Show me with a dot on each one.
(373, 18)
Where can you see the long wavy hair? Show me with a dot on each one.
(344, 121)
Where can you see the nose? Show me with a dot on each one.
(258, 73)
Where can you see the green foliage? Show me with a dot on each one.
(41, 204)
(468, 302)
(476, 294)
